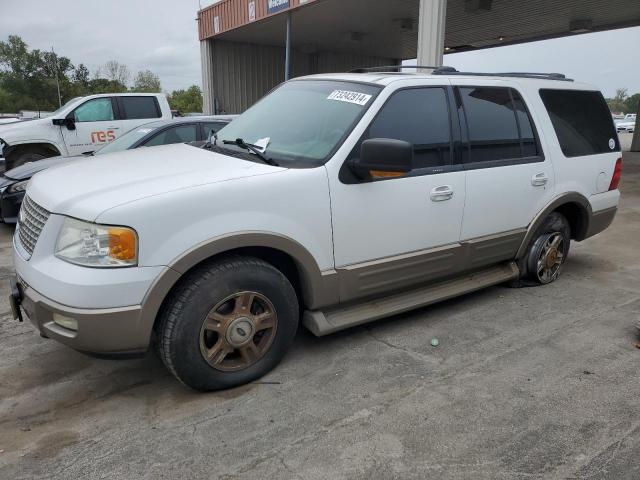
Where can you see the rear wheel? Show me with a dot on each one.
(549, 250)
(228, 323)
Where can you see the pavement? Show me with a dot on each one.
(532, 383)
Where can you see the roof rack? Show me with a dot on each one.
(444, 70)
(541, 76)
(395, 68)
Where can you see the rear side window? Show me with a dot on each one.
(419, 116)
(582, 122)
(499, 126)
(139, 107)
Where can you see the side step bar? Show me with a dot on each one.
(325, 322)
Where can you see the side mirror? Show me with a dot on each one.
(383, 158)
(68, 122)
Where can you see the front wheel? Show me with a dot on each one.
(228, 323)
(549, 250)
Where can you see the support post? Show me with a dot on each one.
(208, 94)
(635, 143)
(431, 28)
(287, 50)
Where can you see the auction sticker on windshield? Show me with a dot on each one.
(349, 97)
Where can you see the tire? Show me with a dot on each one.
(207, 315)
(27, 154)
(547, 253)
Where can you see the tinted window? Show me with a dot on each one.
(139, 107)
(181, 134)
(96, 110)
(527, 135)
(491, 123)
(582, 122)
(419, 116)
(212, 127)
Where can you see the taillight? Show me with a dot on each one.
(617, 173)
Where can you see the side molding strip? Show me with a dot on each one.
(325, 322)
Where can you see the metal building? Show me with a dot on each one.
(249, 46)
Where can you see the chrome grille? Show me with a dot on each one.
(31, 221)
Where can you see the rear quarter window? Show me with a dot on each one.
(582, 122)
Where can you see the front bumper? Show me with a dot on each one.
(102, 331)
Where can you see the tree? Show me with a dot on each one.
(632, 104)
(115, 71)
(617, 103)
(189, 100)
(147, 82)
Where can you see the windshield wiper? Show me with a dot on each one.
(252, 148)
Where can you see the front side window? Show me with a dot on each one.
(419, 116)
(302, 122)
(582, 121)
(95, 110)
(499, 126)
(136, 108)
(181, 134)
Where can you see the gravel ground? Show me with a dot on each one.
(526, 384)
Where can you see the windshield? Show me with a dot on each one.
(127, 140)
(302, 121)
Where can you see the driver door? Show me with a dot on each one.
(96, 125)
(392, 233)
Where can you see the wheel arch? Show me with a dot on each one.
(17, 147)
(314, 287)
(576, 209)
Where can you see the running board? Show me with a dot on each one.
(325, 322)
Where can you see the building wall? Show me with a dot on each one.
(236, 75)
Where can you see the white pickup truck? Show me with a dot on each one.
(81, 126)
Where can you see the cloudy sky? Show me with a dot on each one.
(160, 35)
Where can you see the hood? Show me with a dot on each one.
(86, 187)
(29, 169)
(24, 130)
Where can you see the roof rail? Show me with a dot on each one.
(541, 76)
(395, 68)
(444, 70)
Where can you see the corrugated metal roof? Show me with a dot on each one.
(390, 29)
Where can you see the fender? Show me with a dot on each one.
(319, 288)
(10, 147)
(574, 198)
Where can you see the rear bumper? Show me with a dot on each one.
(104, 331)
(600, 221)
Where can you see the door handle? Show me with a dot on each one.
(441, 194)
(539, 179)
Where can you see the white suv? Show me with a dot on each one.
(334, 201)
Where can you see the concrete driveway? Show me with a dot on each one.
(526, 384)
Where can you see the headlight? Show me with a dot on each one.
(93, 245)
(18, 187)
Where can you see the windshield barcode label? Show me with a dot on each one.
(349, 97)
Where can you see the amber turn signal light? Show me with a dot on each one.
(123, 243)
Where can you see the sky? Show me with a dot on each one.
(160, 35)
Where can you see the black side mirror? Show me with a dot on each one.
(68, 122)
(383, 157)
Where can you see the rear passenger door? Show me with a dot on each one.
(509, 179)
